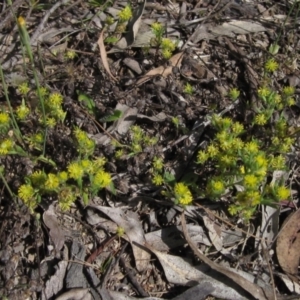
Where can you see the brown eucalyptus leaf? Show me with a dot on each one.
(55, 231)
(288, 245)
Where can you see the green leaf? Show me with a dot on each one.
(113, 117)
(169, 178)
(86, 101)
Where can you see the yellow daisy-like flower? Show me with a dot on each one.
(157, 27)
(70, 54)
(102, 179)
(251, 147)
(157, 179)
(6, 146)
(23, 88)
(125, 14)
(254, 197)
(56, 99)
(250, 181)
(62, 176)
(183, 194)
(26, 192)
(212, 150)
(233, 94)
(4, 119)
(38, 178)
(288, 91)
(52, 182)
(21, 21)
(260, 119)
(237, 143)
(278, 162)
(22, 111)
(271, 65)
(158, 163)
(75, 170)
(264, 92)
(282, 193)
(237, 128)
(202, 157)
(261, 160)
(290, 101)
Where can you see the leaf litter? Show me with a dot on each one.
(229, 261)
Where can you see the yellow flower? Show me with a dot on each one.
(22, 111)
(4, 119)
(202, 157)
(6, 146)
(75, 170)
(237, 143)
(62, 176)
(260, 119)
(38, 178)
(23, 88)
(264, 92)
(120, 231)
(158, 163)
(166, 53)
(21, 21)
(212, 150)
(157, 27)
(125, 14)
(282, 193)
(237, 128)
(290, 101)
(183, 194)
(26, 192)
(70, 54)
(271, 65)
(52, 182)
(278, 162)
(251, 147)
(102, 179)
(261, 160)
(288, 90)
(56, 99)
(250, 181)
(234, 94)
(157, 179)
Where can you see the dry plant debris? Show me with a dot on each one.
(149, 150)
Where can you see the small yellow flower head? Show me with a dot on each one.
(227, 160)
(264, 92)
(119, 154)
(252, 147)
(157, 27)
(23, 88)
(22, 111)
(212, 150)
(87, 165)
(215, 188)
(125, 14)
(251, 181)
(183, 194)
(288, 91)
(26, 192)
(75, 170)
(233, 209)
(237, 143)
(44, 91)
(261, 160)
(136, 148)
(290, 101)
(52, 182)
(226, 123)
(188, 89)
(100, 161)
(158, 163)
(4, 120)
(50, 122)
(282, 193)
(222, 136)
(202, 157)
(102, 179)
(62, 176)
(233, 94)
(168, 44)
(271, 65)
(6, 146)
(254, 197)
(120, 231)
(66, 198)
(260, 119)
(56, 99)
(237, 128)
(38, 178)
(278, 162)
(166, 53)
(21, 21)
(275, 140)
(70, 54)
(157, 179)
(277, 99)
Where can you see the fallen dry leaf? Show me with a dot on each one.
(130, 222)
(288, 245)
(175, 61)
(104, 55)
(255, 290)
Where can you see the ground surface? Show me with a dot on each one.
(75, 254)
